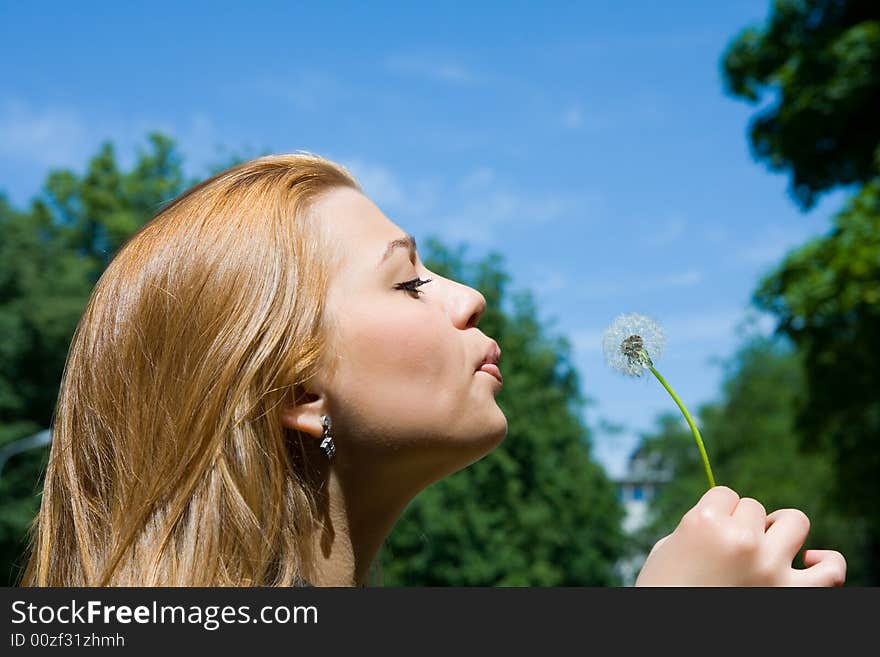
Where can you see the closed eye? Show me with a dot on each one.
(410, 286)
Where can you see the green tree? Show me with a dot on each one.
(537, 510)
(821, 61)
(751, 437)
(826, 296)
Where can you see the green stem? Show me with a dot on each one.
(694, 430)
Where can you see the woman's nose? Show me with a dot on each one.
(471, 304)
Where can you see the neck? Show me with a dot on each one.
(360, 511)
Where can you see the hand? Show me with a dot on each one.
(727, 541)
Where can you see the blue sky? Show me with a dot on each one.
(591, 144)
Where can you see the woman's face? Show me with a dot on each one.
(403, 385)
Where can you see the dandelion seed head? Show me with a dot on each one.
(632, 342)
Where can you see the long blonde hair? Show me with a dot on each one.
(169, 465)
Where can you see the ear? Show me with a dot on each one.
(304, 413)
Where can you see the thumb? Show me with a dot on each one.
(825, 568)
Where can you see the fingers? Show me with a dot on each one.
(787, 530)
(718, 500)
(751, 513)
(826, 568)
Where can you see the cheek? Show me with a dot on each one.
(397, 354)
(406, 346)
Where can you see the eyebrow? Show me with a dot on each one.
(407, 241)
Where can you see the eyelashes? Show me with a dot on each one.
(410, 286)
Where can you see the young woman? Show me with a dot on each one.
(264, 377)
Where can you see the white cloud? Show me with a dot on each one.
(479, 210)
(442, 71)
(490, 206)
(543, 281)
(602, 288)
(306, 90)
(479, 178)
(481, 217)
(611, 285)
(702, 325)
(377, 181)
(573, 117)
(44, 136)
(770, 246)
(197, 137)
(40, 138)
(687, 278)
(386, 189)
(715, 233)
(670, 230)
(483, 204)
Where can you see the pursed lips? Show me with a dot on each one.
(494, 370)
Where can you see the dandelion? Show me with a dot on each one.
(629, 344)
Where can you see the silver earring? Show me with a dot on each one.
(327, 444)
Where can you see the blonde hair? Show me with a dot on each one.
(169, 465)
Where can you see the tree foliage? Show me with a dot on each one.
(820, 61)
(826, 295)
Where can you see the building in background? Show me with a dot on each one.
(635, 490)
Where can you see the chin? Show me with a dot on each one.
(458, 451)
(499, 436)
(490, 437)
